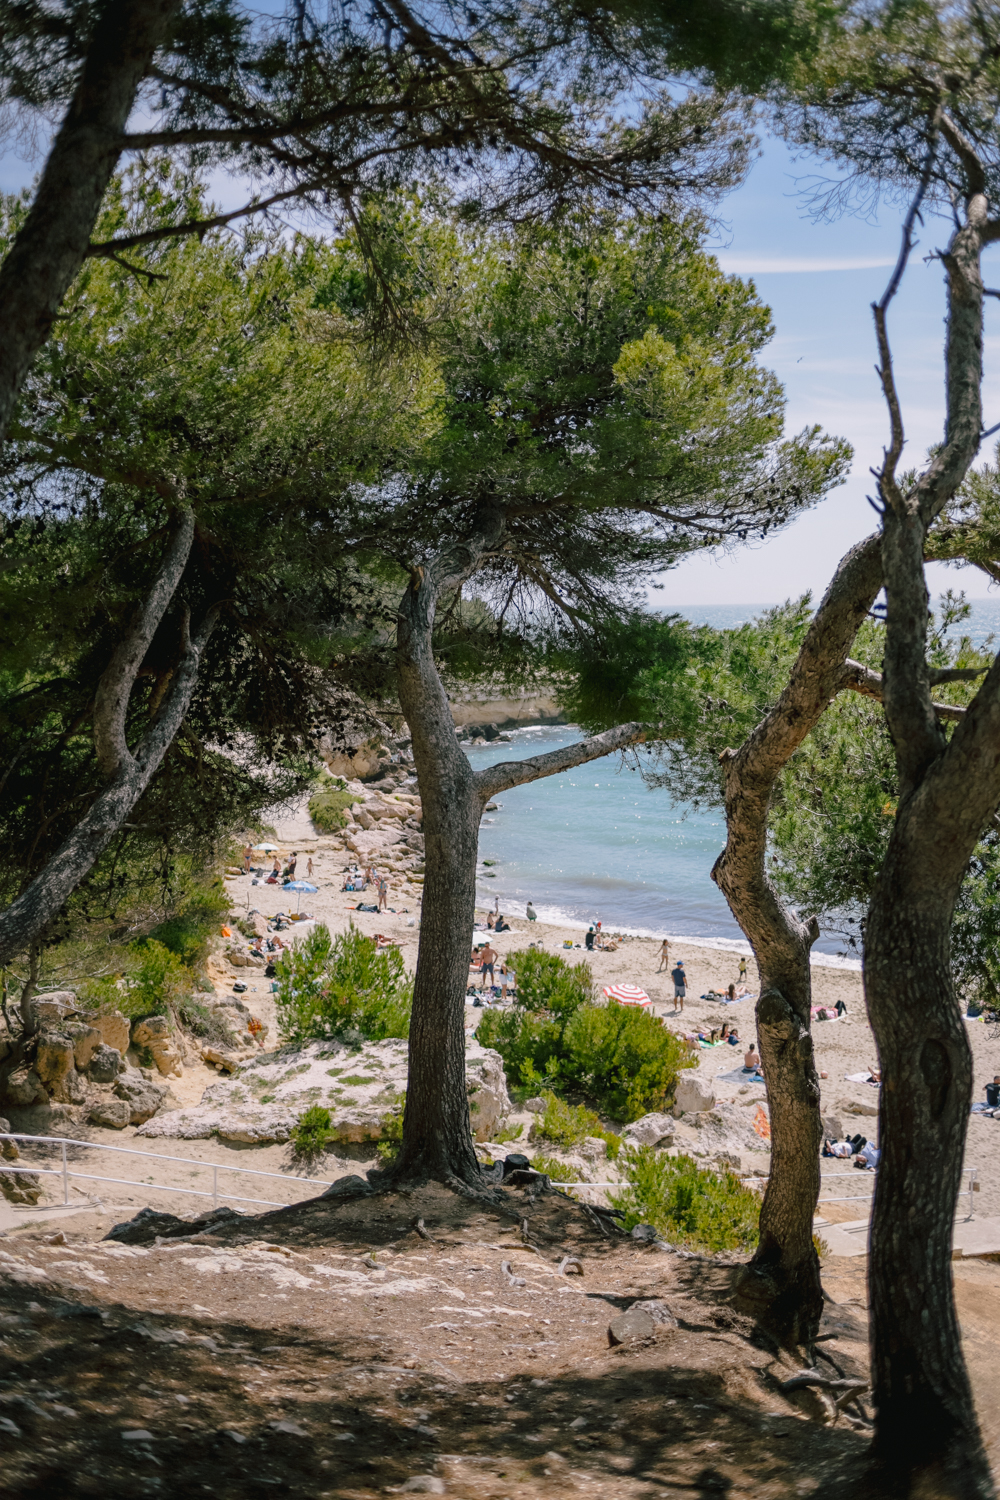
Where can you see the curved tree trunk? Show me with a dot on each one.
(781, 1285)
(437, 1133)
(129, 773)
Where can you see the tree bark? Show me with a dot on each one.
(927, 1439)
(781, 1285)
(129, 772)
(437, 1134)
(52, 244)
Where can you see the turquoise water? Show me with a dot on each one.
(596, 843)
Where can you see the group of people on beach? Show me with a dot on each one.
(279, 875)
(356, 880)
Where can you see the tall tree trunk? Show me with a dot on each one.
(129, 772)
(437, 1134)
(50, 247)
(927, 1437)
(781, 1285)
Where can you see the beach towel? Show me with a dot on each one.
(737, 1075)
(860, 1078)
(761, 1123)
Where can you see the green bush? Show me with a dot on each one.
(312, 1133)
(688, 1205)
(568, 1125)
(153, 981)
(328, 987)
(621, 1058)
(392, 1133)
(557, 1170)
(188, 931)
(328, 806)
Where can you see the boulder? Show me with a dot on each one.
(634, 1324)
(361, 1087)
(86, 1038)
(650, 1130)
(593, 1148)
(105, 1064)
(8, 1149)
(53, 1060)
(76, 1089)
(856, 1107)
(154, 1032)
(55, 1006)
(110, 1112)
(536, 1105)
(24, 1088)
(142, 1097)
(112, 1025)
(20, 1187)
(695, 1094)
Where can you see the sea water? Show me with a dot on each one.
(596, 843)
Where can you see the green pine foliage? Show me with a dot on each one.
(312, 1131)
(343, 985)
(689, 1206)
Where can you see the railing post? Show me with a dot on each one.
(215, 1187)
(65, 1175)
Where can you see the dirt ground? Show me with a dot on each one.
(335, 1352)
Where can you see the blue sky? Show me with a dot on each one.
(819, 280)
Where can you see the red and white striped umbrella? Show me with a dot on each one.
(627, 994)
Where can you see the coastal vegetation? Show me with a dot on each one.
(342, 986)
(621, 1060)
(690, 1206)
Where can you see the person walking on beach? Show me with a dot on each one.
(679, 977)
(743, 971)
(531, 913)
(664, 955)
(383, 892)
(309, 867)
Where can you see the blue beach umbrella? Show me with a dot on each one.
(299, 885)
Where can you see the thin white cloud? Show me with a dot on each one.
(762, 265)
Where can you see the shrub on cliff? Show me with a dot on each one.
(331, 985)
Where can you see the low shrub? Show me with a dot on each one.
(188, 931)
(557, 1170)
(689, 1206)
(392, 1133)
(328, 806)
(507, 1134)
(342, 987)
(153, 981)
(621, 1058)
(568, 1125)
(312, 1132)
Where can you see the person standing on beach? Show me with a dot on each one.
(487, 959)
(743, 970)
(531, 913)
(383, 892)
(247, 853)
(309, 867)
(679, 977)
(664, 955)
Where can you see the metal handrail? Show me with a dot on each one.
(216, 1167)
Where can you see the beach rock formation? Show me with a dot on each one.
(650, 1130)
(694, 1094)
(361, 1087)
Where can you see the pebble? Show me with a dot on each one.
(291, 1427)
(138, 1435)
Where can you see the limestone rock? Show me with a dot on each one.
(86, 1038)
(76, 1089)
(142, 1097)
(694, 1094)
(8, 1149)
(657, 1309)
(53, 1060)
(593, 1148)
(634, 1324)
(536, 1105)
(24, 1088)
(105, 1064)
(228, 1058)
(113, 1026)
(360, 1087)
(856, 1107)
(111, 1112)
(651, 1130)
(20, 1187)
(55, 1006)
(154, 1032)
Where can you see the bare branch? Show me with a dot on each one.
(108, 249)
(891, 457)
(858, 678)
(500, 778)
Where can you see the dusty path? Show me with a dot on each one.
(275, 1358)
